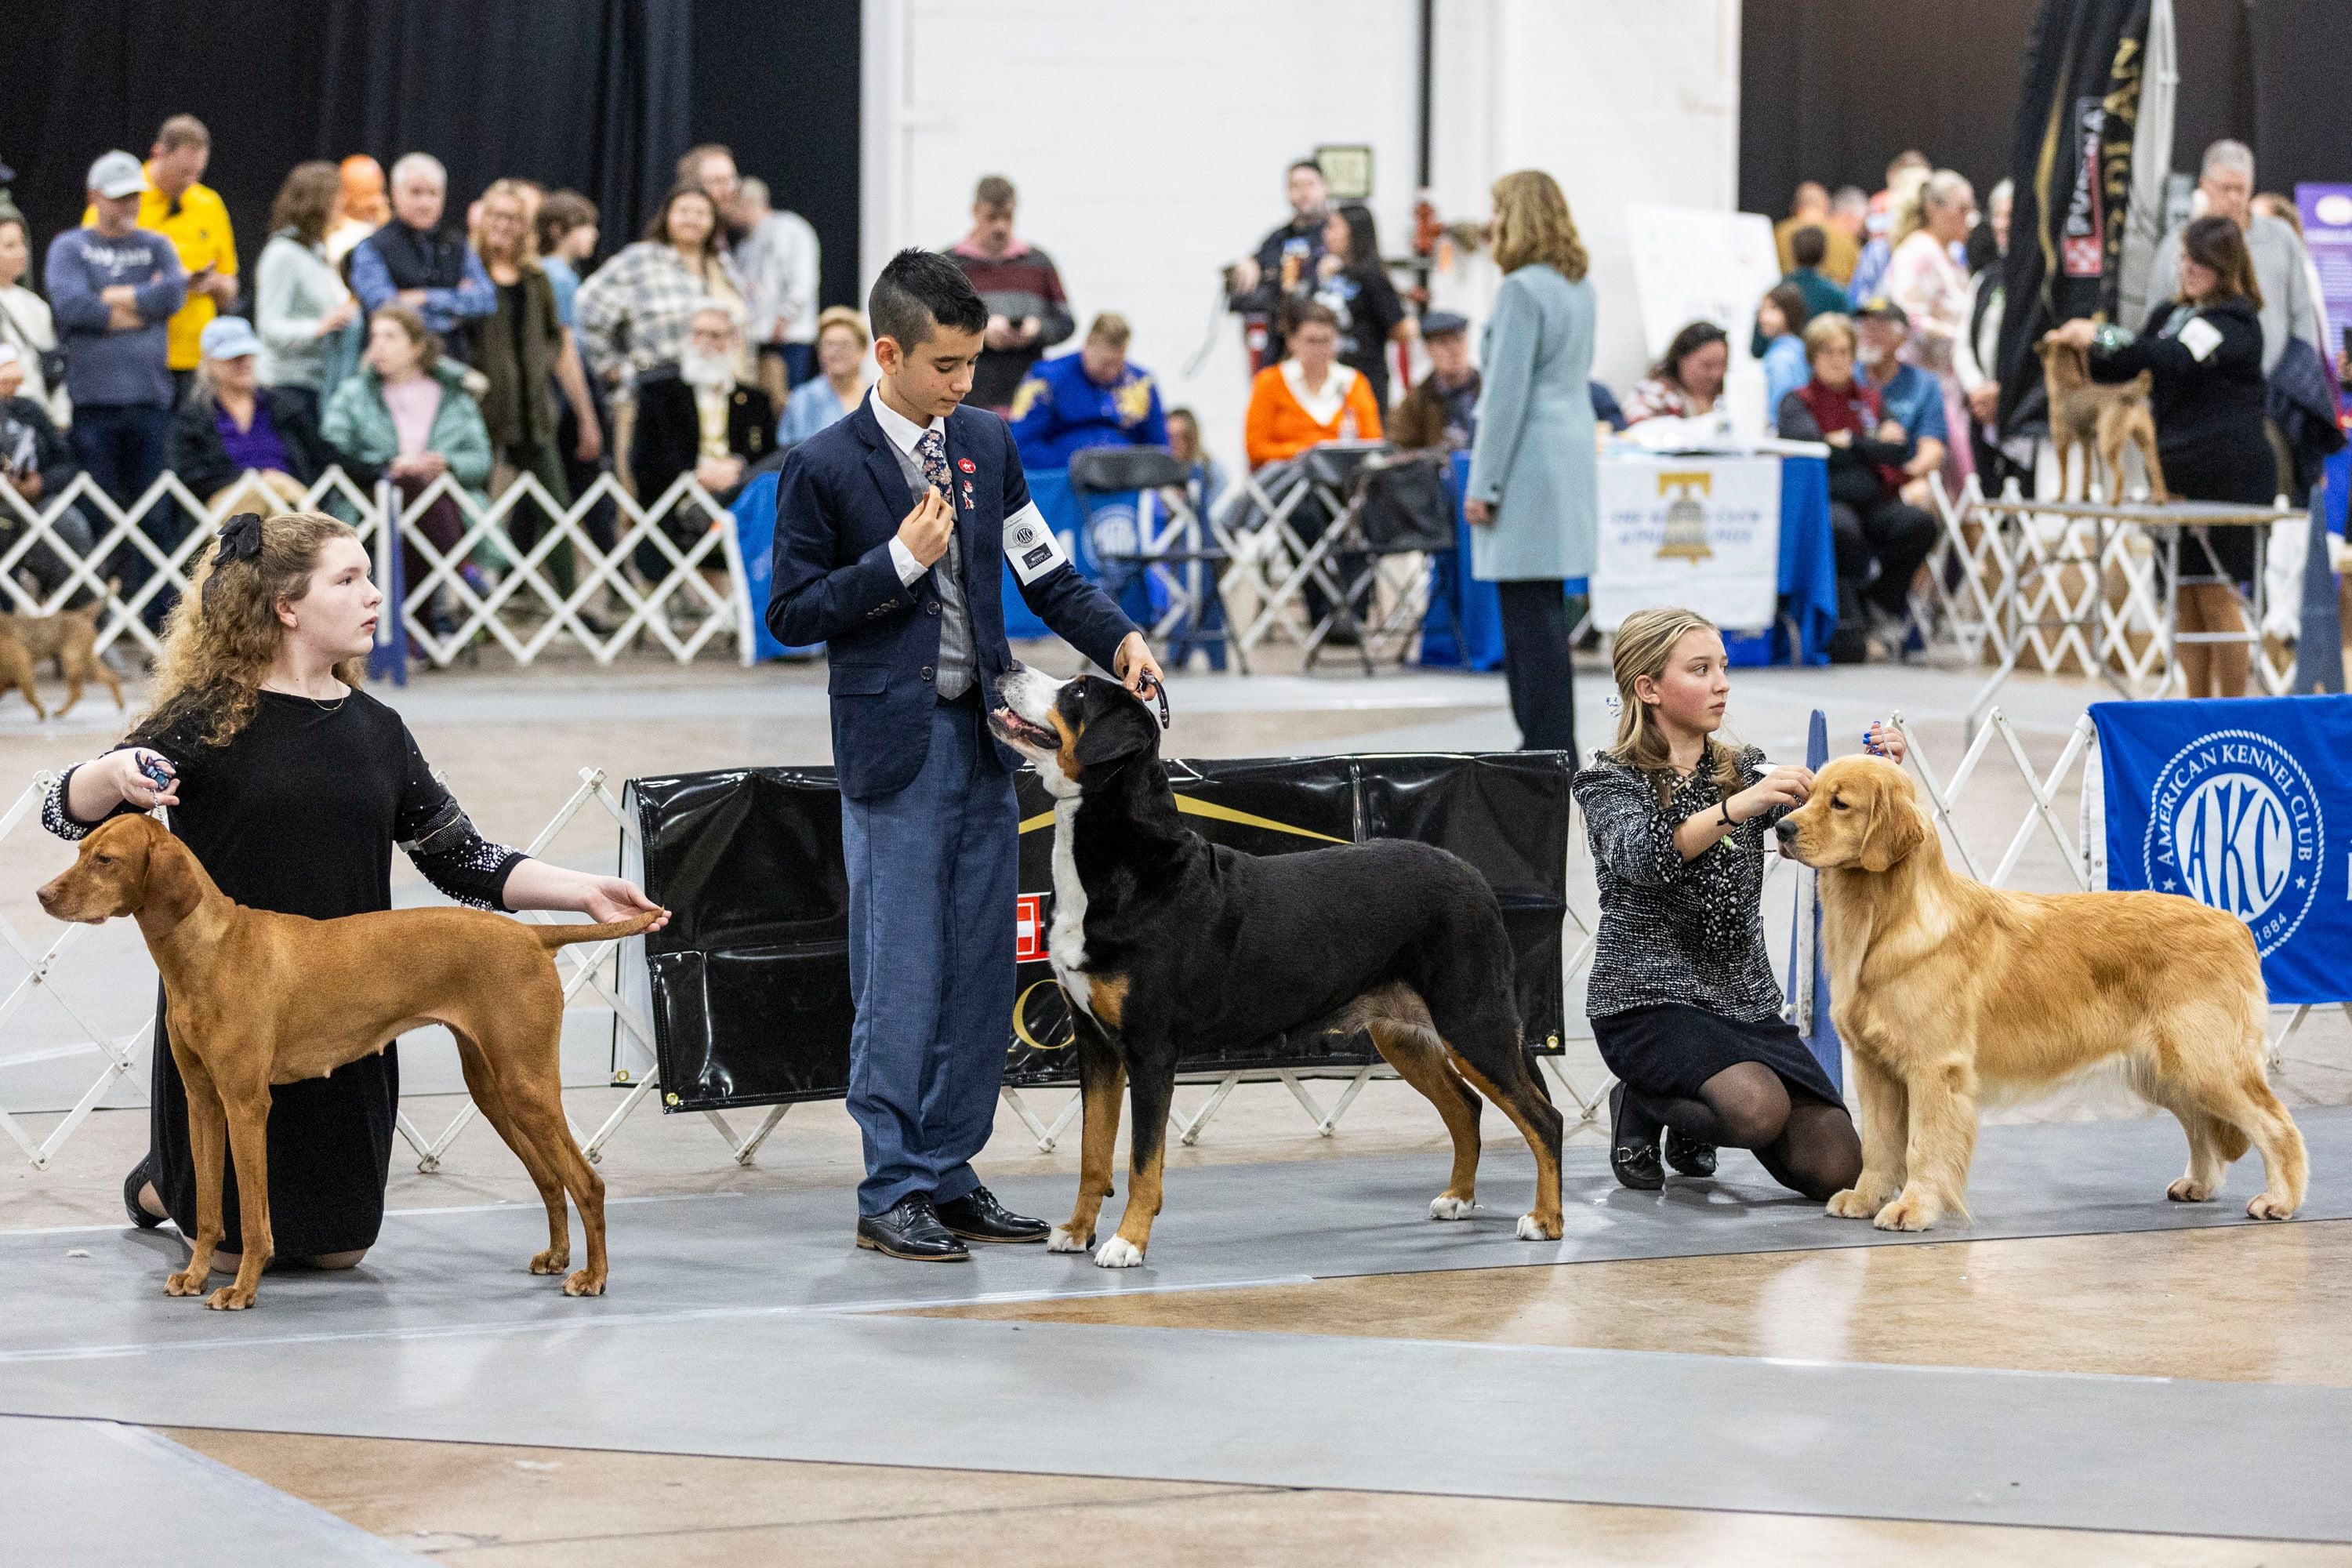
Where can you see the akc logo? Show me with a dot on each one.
(2234, 823)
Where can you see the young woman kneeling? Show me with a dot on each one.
(1682, 1002)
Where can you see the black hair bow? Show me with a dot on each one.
(239, 539)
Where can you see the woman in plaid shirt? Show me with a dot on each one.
(633, 311)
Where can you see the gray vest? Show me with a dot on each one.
(955, 666)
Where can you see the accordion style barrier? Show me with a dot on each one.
(748, 984)
(2020, 583)
(497, 593)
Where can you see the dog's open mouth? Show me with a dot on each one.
(1014, 729)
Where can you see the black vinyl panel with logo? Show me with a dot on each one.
(751, 979)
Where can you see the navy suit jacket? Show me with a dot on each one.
(839, 502)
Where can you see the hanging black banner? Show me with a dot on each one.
(2076, 115)
(749, 981)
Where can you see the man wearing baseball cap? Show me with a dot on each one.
(112, 286)
(176, 203)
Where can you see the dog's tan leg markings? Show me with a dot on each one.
(1543, 1221)
(207, 1142)
(1419, 1057)
(490, 1098)
(1102, 1080)
(1147, 1154)
(2247, 1108)
(246, 1101)
(1942, 1142)
(1885, 1130)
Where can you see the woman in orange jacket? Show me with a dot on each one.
(1310, 397)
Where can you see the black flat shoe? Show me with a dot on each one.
(912, 1231)
(141, 1175)
(977, 1217)
(1635, 1162)
(1688, 1156)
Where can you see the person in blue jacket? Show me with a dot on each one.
(895, 530)
(1090, 398)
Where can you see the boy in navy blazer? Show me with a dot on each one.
(890, 524)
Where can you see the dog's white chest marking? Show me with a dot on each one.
(1066, 939)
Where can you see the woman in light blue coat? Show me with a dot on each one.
(1534, 499)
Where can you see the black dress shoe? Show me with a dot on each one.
(1633, 1148)
(912, 1231)
(1688, 1156)
(977, 1217)
(141, 1174)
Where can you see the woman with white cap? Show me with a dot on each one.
(237, 441)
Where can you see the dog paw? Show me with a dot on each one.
(187, 1282)
(1065, 1239)
(1118, 1253)
(1531, 1229)
(2265, 1207)
(2189, 1189)
(1853, 1203)
(231, 1298)
(1446, 1206)
(551, 1261)
(585, 1283)
(1905, 1213)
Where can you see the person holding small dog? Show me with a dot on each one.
(2204, 351)
(1684, 1005)
(292, 786)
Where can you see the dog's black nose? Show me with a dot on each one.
(1786, 829)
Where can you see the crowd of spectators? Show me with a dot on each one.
(392, 335)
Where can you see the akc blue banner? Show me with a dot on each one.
(2245, 806)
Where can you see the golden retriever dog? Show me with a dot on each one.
(2100, 417)
(1947, 989)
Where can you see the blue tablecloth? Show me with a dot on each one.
(1808, 584)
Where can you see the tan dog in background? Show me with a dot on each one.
(253, 998)
(70, 637)
(2098, 418)
(1946, 988)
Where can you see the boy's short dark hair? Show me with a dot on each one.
(1808, 247)
(918, 290)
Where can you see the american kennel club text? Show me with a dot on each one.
(2234, 823)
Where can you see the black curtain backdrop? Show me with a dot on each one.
(599, 95)
(1831, 89)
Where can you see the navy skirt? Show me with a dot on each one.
(1670, 1051)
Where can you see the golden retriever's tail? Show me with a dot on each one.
(555, 936)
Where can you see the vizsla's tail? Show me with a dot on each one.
(554, 936)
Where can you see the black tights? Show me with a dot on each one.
(1808, 1147)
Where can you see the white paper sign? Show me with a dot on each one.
(1699, 533)
(1693, 265)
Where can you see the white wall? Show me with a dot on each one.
(1149, 141)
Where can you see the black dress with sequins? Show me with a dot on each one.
(298, 814)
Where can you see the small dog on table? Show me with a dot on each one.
(70, 637)
(2099, 417)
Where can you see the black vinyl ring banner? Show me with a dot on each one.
(749, 981)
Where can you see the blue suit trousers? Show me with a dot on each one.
(934, 875)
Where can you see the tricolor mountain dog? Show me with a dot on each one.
(1165, 943)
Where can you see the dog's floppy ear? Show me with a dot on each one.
(1115, 724)
(172, 885)
(1896, 832)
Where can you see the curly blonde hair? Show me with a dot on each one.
(220, 641)
(1643, 645)
(1532, 225)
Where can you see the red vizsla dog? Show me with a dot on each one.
(253, 999)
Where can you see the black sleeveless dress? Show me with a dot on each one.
(298, 814)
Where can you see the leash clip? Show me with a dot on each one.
(1156, 687)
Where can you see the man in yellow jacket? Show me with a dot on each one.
(191, 215)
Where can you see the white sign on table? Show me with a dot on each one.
(1698, 532)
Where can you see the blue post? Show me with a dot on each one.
(2319, 650)
(389, 655)
(1824, 1039)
